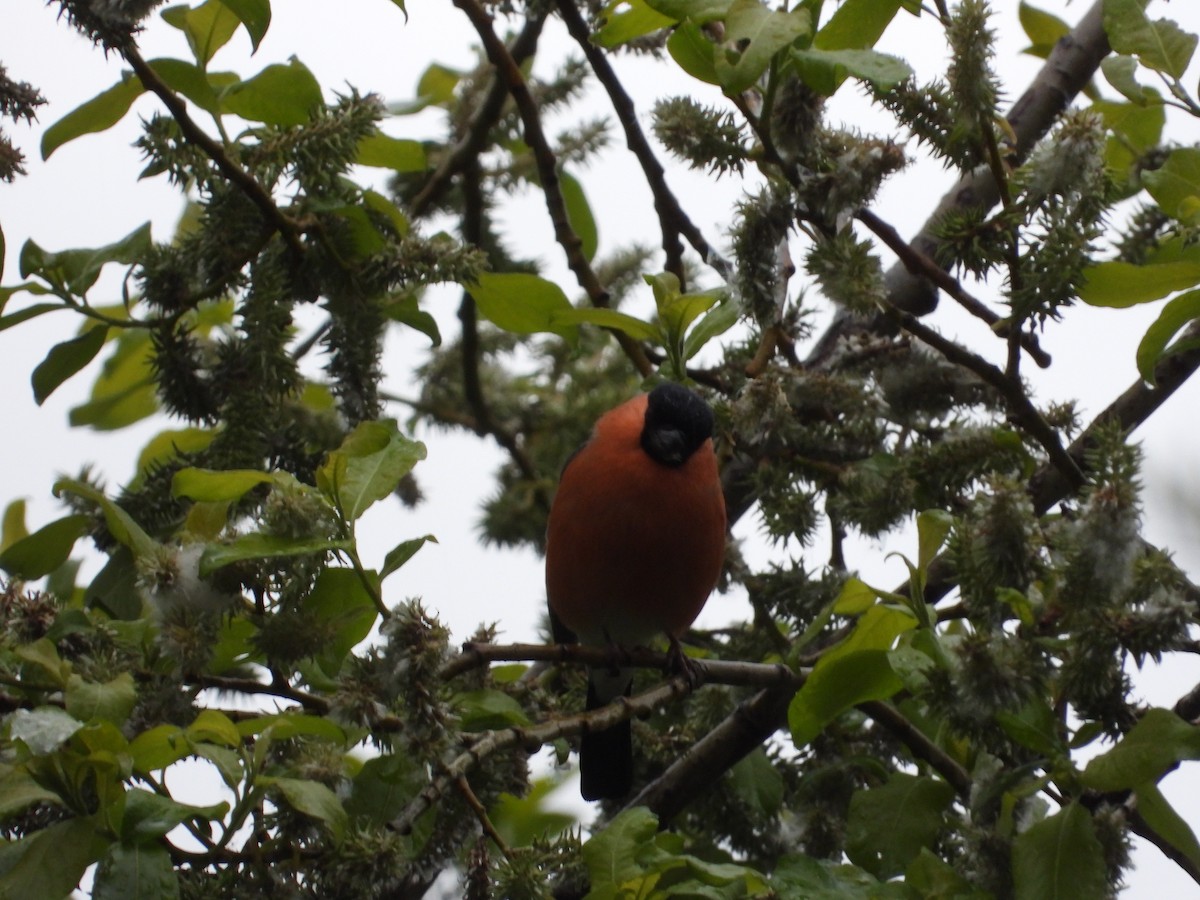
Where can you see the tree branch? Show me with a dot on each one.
(1067, 70)
(544, 158)
(246, 182)
(481, 122)
(673, 220)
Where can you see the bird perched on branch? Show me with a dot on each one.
(634, 546)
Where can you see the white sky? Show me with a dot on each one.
(87, 195)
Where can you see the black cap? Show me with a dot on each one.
(678, 422)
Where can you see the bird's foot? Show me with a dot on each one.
(678, 663)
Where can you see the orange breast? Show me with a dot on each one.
(634, 547)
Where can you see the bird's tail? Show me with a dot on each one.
(606, 757)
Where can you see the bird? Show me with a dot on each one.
(635, 541)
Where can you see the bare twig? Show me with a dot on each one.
(500, 57)
(673, 220)
(485, 116)
(918, 263)
(534, 737)
(1023, 410)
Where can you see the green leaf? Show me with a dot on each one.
(713, 323)
(1059, 858)
(402, 553)
(1160, 45)
(385, 152)
(209, 485)
(935, 879)
(124, 392)
(42, 655)
(757, 783)
(114, 589)
(832, 689)
(66, 359)
(263, 546)
(368, 466)
(208, 27)
(283, 95)
(42, 552)
(77, 270)
(13, 528)
(634, 20)
(149, 816)
(825, 70)
(694, 52)
(1175, 185)
(192, 81)
(1120, 71)
(821, 879)
(607, 318)
(30, 312)
(384, 786)
(19, 791)
(887, 827)
(1176, 314)
(611, 856)
(255, 16)
(112, 701)
(855, 598)
(435, 88)
(154, 750)
(120, 524)
(1042, 28)
(1157, 742)
(135, 871)
(52, 861)
(1120, 284)
(338, 597)
(758, 33)
(405, 310)
(699, 11)
(1166, 822)
(214, 727)
(98, 114)
(933, 527)
(856, 25)
(42, 730)
(579, 214)
(488, 709)
(522, 303)
(312, 799)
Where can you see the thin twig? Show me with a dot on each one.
(464, 788)
(246, 182)
(714, 671)
(672, 219)
(475, 136)
(919, 264)
(533, 737)
(1023, 410)
(500, 57)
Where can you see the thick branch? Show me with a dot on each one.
(1067, 70)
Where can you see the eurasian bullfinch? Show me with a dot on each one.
(634, 546)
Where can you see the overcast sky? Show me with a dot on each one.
(87, 194)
